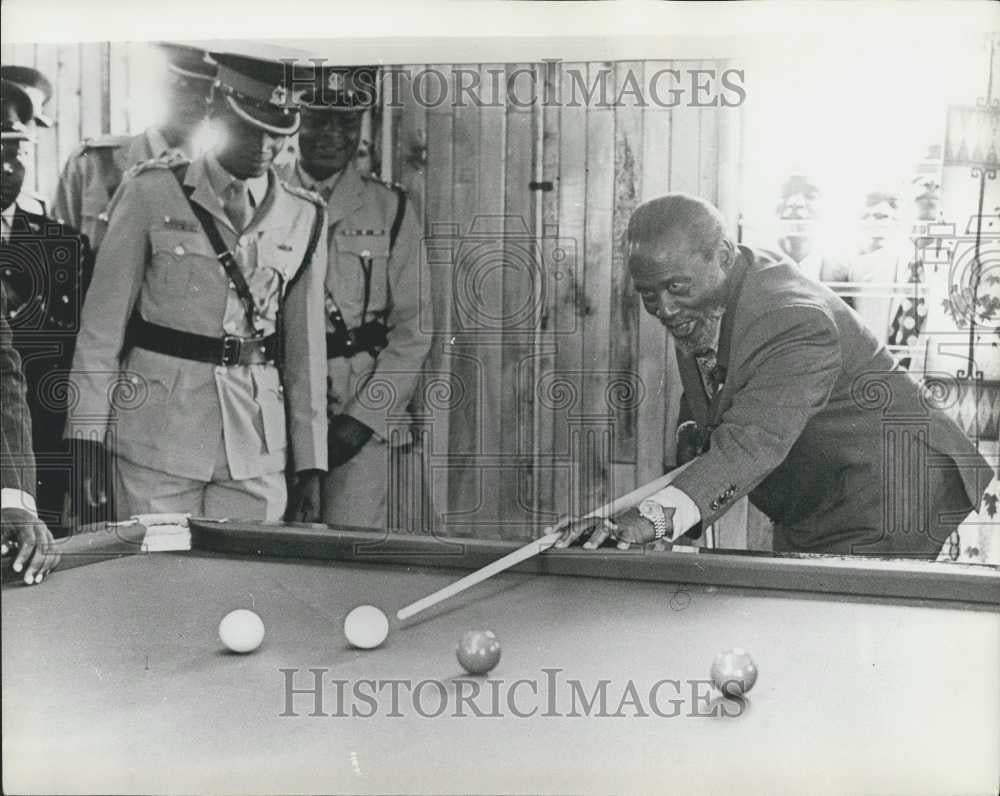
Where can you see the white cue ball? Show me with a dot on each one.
(366, 627)
(241, 630)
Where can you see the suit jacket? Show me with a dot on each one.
(169, 413)
(818, 424)
(47, 267)
(92, 174)
(360, 213)
(17, 463)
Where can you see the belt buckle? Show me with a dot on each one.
(232, 347)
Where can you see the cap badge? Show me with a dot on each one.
(279, 96)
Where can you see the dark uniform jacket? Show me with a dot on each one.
(46, 267)
(17, 462)
(820, 426)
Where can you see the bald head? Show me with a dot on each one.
(678, 222)
(679, 259)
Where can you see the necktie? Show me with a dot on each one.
(5, 233)
(237, 206)
(707, 362)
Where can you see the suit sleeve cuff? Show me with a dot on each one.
(686, 513)
(18, 499)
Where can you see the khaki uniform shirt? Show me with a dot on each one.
(93, 173)
(168, 412)
(360, 215)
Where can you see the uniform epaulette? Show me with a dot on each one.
(392, 186)
(165, 161)
(313, 197)
(105, 142)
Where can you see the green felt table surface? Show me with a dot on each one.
(115, 681)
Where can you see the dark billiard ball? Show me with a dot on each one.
(734, 672)
(478, 651)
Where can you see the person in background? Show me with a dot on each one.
(206, 312)
(875, 267)
(377, 306)
(799, 237)
(94, 169)
(37, 88)
(46, 268)
(23, 536)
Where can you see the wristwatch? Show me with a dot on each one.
(653, 511)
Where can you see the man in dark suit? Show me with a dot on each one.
(46, 267)
(20, 527)
(802, 408)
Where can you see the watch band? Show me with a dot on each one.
(653, 511)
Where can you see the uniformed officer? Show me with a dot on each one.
(35, 90)
(45, 267)
(209, 269)
(94, 170)
(378, 308)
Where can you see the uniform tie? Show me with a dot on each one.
(237, 206)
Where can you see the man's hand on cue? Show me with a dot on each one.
(32, 539)
(626, 529)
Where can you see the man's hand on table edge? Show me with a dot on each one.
(36, 550)
(304, 504)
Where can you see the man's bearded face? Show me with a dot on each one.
(684, 289)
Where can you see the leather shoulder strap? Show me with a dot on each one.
(222, 253)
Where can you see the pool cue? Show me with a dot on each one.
(536, 546)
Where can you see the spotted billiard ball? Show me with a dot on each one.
(478, 651)
(734, 672)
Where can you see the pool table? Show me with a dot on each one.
(115, 681)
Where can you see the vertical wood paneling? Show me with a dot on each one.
(48, 158)
(521, 267)
(465, 438)
(93, 67)
(67, 90)
(564, 389)
(708, 160)
(409, 168)
(438, 204)
(118, 80)
(657, 367)
(483, 281)
(628, 167)
(596, 327)
(555, 256)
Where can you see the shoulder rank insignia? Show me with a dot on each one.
(166, 161)
(105, 141)
(313, 197)
(392, 186)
